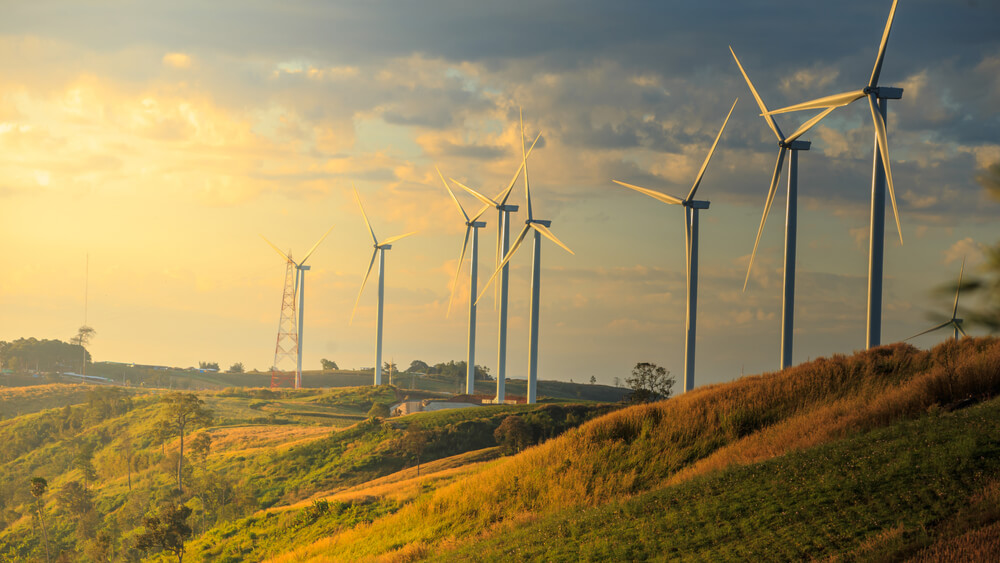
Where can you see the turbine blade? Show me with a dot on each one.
(653, 194)
(704, 165)
(760, 103)
(363, 282)
(767, 209)
(283, 255)
(548, 234)
(836, 100)
(873, 82)
(958, 290)
(809, 124)
(524, 158)
(883, 147)
(308, 254)
(365, 215)
(958, 325)
(479, 213)
(458, 270)
(475, 194)
(938, 327)
(513, 249)
(391, 240)
(452, 194)
(503, 195)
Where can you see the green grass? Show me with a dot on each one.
(828, 500)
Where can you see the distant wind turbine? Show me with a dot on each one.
(954, 322)
(540, 228)
(379, 251)
(504, 210)
(881, 175)
(300, 289)
(691, 207)
(472, 224)
(789, 143)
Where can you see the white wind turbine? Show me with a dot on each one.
(881, 175)
(379, 251)
(300, 289)
(541, 228)
(955, 322)
(789, 143)
(504, 210)
(472, 224)
(691, 207)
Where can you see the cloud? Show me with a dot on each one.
(177, 60)
(966, 249)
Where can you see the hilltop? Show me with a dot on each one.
(887, 454)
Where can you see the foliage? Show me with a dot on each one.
(513, 435)
(379, 410)
(236, 368)
(200, 445)
(166, 530)
(41, 355)
(214, 366)
(418, 366)
(179, 411)
(649, 382)
(328, 365)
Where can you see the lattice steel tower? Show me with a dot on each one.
(286, 351)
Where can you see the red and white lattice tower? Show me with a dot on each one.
(286, 352)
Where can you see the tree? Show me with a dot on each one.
(38, 487)
(201, 443)
(414, 441)
(389, 367)
(513, 434)
(378, 410)
(236, 368)
(593, 379)
(618, 381)
(649, 382)
(166, 530)
(83, 336)
(418, 366)
(179, 411)
(209, 365)
(328, 365)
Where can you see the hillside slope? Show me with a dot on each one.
(657, 449)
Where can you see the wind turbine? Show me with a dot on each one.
(472, 224)
(955, 322)
(300, 289)
(540, 228)
(785, 144)
(503, 246)
(881, 175)
(691, 208)
(379, 251)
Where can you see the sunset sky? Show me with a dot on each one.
(163, 138)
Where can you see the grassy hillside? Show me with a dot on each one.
(650, 453)
(109, 463)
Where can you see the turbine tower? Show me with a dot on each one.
(472, 224)
(503, 246)
(691, 208)
(955, 322)
(540, 228)
(881, 175)
(379, 251)
(785, 144)
(289, 313)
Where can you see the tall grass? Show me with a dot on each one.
(647, 447)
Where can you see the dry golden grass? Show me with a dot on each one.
(646, 447)
(976, 545)
(243, 438)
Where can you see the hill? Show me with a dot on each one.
(888, 454)
(817, 438)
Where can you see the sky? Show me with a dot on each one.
(146, 147)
